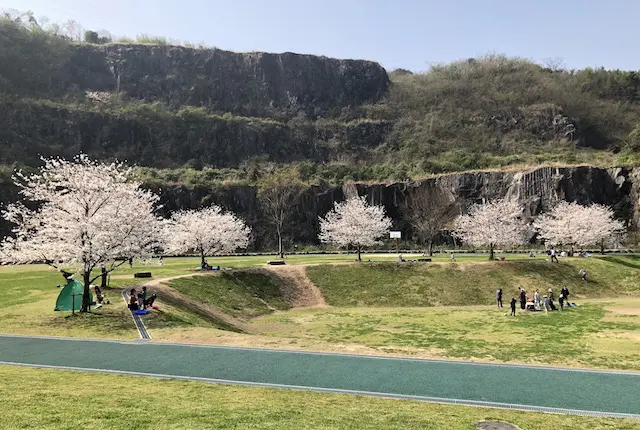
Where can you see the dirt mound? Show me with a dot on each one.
(297, 288)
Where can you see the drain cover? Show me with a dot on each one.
(496, 425)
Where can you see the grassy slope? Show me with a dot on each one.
(240, 293)
(467, 284)
(48, 399)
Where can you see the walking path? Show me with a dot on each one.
(583, 392)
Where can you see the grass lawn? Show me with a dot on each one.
(601, 334)
(378, 308)
(53, 399)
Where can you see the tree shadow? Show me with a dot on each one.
(624, 260)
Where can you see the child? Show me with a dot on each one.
(513, 306)
(583, 272)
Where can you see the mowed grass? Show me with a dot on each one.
(393, 284)
(241, 293)
(599, 334)
(54, 399)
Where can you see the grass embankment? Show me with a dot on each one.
(50, 399)
(472, 284)
(242, 294)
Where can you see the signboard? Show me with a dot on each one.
(395, 234)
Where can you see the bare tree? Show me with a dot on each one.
(277, 194)
(429, 209)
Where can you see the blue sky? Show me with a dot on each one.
(411, 34)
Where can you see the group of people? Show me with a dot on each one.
(139, 301)
(538, 303)
(553, 254)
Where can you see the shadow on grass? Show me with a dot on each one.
(624, 260)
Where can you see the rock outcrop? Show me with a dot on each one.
(254, 84)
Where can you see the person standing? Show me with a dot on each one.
(565, 293)
(513, 306)
(499, 297)
(554, 255)
(144, 298)
(523, 299)
(536, 299)
(561, 301)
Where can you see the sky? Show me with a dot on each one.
(409, 34)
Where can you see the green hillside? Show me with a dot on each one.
(489, 112)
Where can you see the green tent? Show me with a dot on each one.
(70, 297)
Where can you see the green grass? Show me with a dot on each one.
(241, 293)
(386, 284)
(586, 336)
(53, 399)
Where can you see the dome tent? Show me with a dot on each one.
(70, 298)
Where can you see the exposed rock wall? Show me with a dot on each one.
(255, 84)
(536, 189)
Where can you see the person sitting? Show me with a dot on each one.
(149, 302)
(98, 292)
(133, 300)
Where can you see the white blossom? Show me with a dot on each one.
(492, 224)
(207, 231)
(83, 214)
(99, 96)
(576, 225)
(354, 222)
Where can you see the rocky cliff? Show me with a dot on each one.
(253, 84)
(536, 189)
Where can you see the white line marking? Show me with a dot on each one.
(336, 390)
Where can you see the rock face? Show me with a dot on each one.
(161, 139)
(537, 190)
(254, 84)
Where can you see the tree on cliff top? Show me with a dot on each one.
(492, 224)
(278, 193)
(208, 231)
(429, 210)
(576, 225)
(354, 222)
(88, 215)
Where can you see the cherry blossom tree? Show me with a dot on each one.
(576, 225)
(492, 224)
(207, 231)
(87, 215)
(354, 222)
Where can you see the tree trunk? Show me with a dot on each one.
(103, 282)
(359, 256)
(602, 247)
(86, 297)
(430, 248)
(202, 261)
(491, 256)
(280, 249)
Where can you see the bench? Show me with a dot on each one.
(142, 275)
(276, 263)
(426, 260)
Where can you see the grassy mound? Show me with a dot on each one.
(239, 293)
(392, 284)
